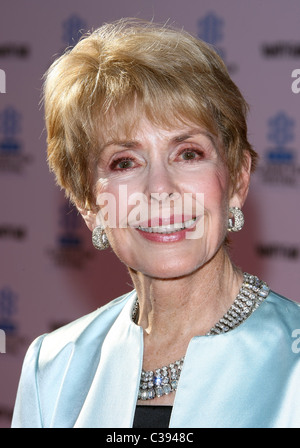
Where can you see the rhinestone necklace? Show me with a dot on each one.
(165, 380)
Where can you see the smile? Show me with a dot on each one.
(168, 229)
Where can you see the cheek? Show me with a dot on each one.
(120, 202)
(213, 184)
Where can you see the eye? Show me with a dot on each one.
(122, 163)
(191, 154)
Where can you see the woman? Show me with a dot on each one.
(147, 135)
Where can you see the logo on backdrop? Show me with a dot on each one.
(8, 309)
(280, 159)
(10, 231)
(8, 322)
(73, 28)
(12, 157)
(70, 250)
(278, 250)
(281, 49)
(14, 50)
(211, 30)
(280, 168)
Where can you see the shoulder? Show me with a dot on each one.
(88, 330)
(280, 308)
(283, 304)
(60, 362)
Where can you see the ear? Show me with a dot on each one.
(89, 217)
(240, 192)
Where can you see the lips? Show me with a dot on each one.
(166, 232)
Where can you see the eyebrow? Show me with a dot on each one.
(192, 133)
(197, 131)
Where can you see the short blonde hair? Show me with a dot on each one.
(125, 69)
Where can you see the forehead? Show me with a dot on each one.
(145, 130)
(130, 116)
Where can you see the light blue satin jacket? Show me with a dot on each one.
(87, 373)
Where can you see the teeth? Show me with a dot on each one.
(171, 228)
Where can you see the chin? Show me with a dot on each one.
(169, 269)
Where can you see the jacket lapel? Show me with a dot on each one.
(111, 400)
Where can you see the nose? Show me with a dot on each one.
(161, 183)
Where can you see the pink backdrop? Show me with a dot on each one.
(50, 273)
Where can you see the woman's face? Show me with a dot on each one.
(164, 199)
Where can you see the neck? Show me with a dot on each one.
(187, 306)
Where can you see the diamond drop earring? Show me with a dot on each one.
(236, 223)
(99, 238)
